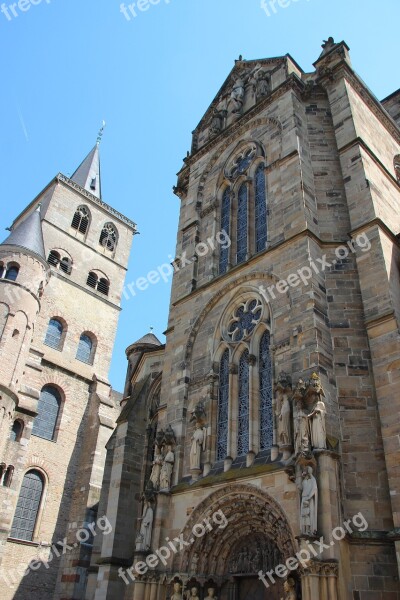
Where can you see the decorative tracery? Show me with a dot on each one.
(243, 410)
(265, 377)
(223, 407)
(260, 209)
(225, 226)
(244, 319)
(242, 224)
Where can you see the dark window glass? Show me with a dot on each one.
(243, 416)
(103, 286)
(28, 505)
(108, 237)
(92, 280)
(54, 334)
(8, 476)
(260, 212)
(241, 240)
(16, 431)
(265, 374)
(225, 226)
(48, 408)
(2, 270)
(12, 273)
(223, 407)
(84, 351)
(54, 258)
(80, 220)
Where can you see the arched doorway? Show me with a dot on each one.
(254, 536)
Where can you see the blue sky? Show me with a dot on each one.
(67, 65)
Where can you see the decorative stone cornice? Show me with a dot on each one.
(93, 198)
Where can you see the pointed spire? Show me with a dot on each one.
(87, 174)
(28, 234)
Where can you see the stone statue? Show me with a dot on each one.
(211, 594)
(317, 425)
(302, 438)
(177, 595)
(143, 539)
(218, 118)
(237, 96)
(194, 594)
(285, 434)
(156, 470)
(166, 469)
(290, 589)
(309, 503)
(198, 444)
(262, 84)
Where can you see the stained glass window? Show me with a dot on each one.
(28, 505)
(84, 352)
(241, 238)
(45, 421)
(265, 373)
(260, 212)
(243, 414)
(244, 320)
(243, 162)
(223, 407)
(225, 226)
(54, 334)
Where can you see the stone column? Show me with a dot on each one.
(139, 591)
(153, 590)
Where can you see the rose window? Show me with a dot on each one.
(242, 162)
(244, 320)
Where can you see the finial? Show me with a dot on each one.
(100, 134)
(151, 329)
(39, 207)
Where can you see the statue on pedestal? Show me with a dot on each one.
(290, 589)
(309, 503)
(156, 470)
(211, 594)
(177, 595)
(143, 540)
(166, 469)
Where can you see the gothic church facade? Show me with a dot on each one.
(270, 418)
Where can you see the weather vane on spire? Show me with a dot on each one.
(100, 134)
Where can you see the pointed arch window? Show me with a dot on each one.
(45, 421)
(28, 505)
(108, 237)
(260, 209)
(265, 374)
(54, 334)
(242, 222)
(223, 407)
(85, 349)
(243, 405)
(225, 226)
(80, 220)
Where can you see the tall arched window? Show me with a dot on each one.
(85, 348)
(12, 272)
(103, 286)
(54, 258)
(260, 209)
(108, 237)
(16, 431)
(28, 505)
(92, 280)
(45, 421)
(225, 226)
(241, 240)
(223, 407)
(54, 334)
(265, 374)
(80, 220)
(243, 409)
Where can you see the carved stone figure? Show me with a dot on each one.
(198, 444)
(210, 594)
(290, 589)
(166, 469)
(317, 425)
(309, 503)
(237, 97)
(262, 84)
(177, 595)
(156, 470)
(285, 434)
(194, 594)
(302, 440)
(143, 539)
(218, 119)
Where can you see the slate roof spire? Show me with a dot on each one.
(28, 234)
(87, 175)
